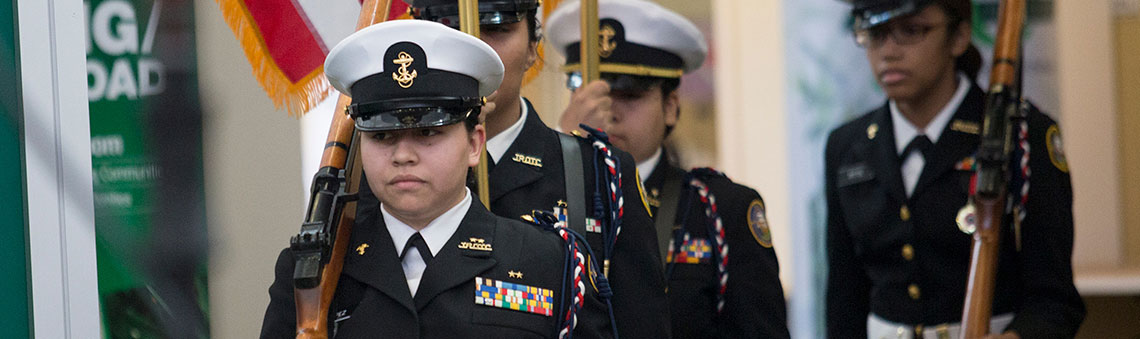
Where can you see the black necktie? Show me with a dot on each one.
(418, 242)
(921, 144)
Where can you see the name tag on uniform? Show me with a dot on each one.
(512, 296)
(853, 174)
(693, 251)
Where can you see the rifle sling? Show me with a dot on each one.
(575, 184)
(666, 217)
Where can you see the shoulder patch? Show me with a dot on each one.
(641, 192)
(758, 223)
(1056, 148)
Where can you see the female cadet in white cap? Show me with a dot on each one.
(645, 50)
(431, 264)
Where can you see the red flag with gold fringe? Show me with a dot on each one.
(286, 42)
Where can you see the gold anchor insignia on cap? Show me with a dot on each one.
(402, 76)
(515, 274)
(477, 244)
(872, 131)
(606, 43)
(360, 249)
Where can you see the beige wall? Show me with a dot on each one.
(252, 161)
(1088, 112)
(1128, 85)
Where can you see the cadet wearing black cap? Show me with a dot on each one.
(534, 168)
(898, 263)
(417, 89)
(703, 219)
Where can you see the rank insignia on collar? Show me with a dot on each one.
(693, 251)
(872, 131)
(360, 249)
(968, 127)
(476, 244)
(529, 160)
(511, 296)
(758, 223)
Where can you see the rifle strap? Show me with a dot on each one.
(666, 217)
(575, 184)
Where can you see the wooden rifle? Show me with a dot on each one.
(989, 195)
(318, 254)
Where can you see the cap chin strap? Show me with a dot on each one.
(358, 110)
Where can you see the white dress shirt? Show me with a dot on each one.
(435, 234)
(645, 168)
(498, 145)
(905, 131)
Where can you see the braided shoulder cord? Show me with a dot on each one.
(1023, 170)
(610, 176)
(576, 258)
(716, 232)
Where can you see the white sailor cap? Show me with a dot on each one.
(412, 73)
(638, 38)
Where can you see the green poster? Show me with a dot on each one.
(14, 293)
(141, 75)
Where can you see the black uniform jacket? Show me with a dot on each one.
(636, 275)
(520, 184)
(905, 260)
(754, 304)
(373, 301)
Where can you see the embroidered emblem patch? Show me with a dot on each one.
(511, 296)
(593, 225)
(1056, 148)
(693, 251)
(758, 224)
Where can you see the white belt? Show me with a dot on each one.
(879, 328)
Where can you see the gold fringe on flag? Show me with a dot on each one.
(298, 97)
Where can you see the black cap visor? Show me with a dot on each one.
(878, 15)
(490, 12)
(401, 114)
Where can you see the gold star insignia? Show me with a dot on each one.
(514, 274)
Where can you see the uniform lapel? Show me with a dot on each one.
(372, 259)
(654, 182)
(664, 185)
(509, 174)
(884, 155)
(453, 266)
(953, 145)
